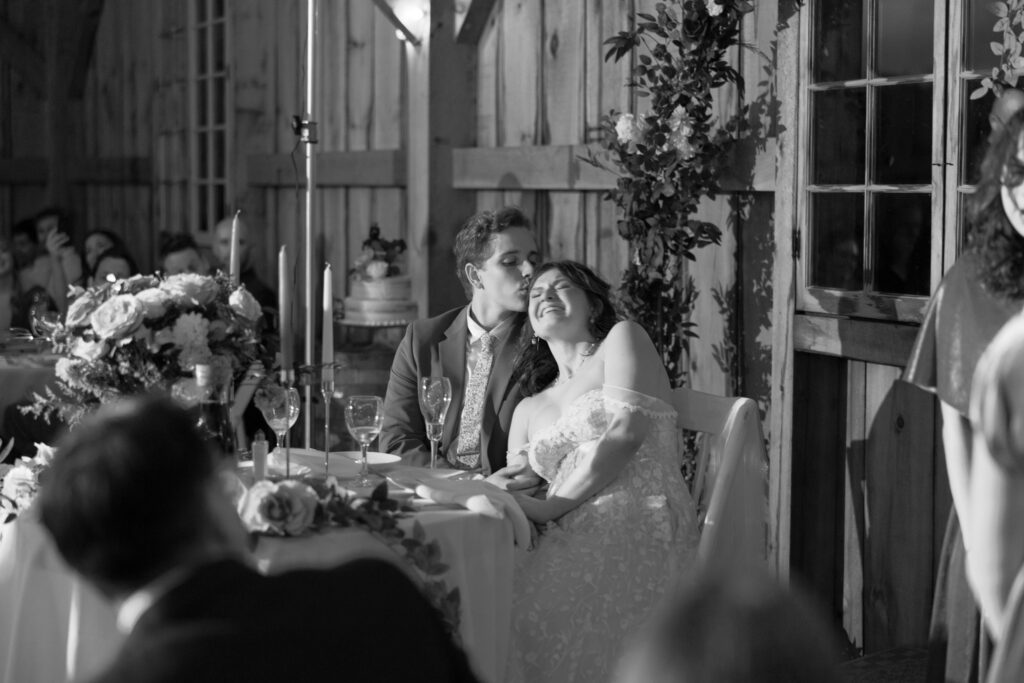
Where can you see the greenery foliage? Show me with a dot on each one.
(1010, 23)
(669, 157)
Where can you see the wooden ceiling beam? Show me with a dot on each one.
(476, 19)
(20, 54)
(83, 38)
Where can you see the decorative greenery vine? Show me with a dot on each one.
(669, 157)
(1009, 14)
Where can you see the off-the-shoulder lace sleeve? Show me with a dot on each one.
(620, 398)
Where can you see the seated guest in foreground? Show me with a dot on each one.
(135, 504)
(740, 627)
(598, 424)
(179, 253)
(222, 252)
(474, 346)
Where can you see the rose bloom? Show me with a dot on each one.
(244, 304)
(190, 288)
(154, 302)
(117, 317)
(714, 9)
(20, 485)
(44, 454)
(80, 309)
(137, 284)
(286, 508)
(626, 129)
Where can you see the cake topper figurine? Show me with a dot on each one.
(379, 258)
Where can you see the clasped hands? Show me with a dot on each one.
(523, 483)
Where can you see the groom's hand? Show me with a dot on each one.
(517, 478)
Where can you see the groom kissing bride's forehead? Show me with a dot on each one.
(474, 346)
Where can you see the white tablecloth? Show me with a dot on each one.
(54, 627)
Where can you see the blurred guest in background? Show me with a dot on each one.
(179, 253)
(735, 627)
(222, 252)
(113, 264)
(59, 265)
(135, 504)
(98, 241)
(29, 289)
(6, 285)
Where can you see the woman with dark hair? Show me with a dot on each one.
(98, 241)
(977, 296)
(114, 263)
(619, 525)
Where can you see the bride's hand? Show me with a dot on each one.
(541, 511)
(516, 479)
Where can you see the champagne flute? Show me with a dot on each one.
(280, 407)
(435, 397)
(364, 416)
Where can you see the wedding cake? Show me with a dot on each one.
(379, 294)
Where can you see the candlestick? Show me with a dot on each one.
(284, 287)
(235, 262)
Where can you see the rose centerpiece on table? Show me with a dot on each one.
(295, 508)
(130, 336)
(19, 483)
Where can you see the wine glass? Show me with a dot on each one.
(280, 407)
(364, 416)
(435, 396)
(43, 322)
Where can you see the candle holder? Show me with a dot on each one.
(327, 391)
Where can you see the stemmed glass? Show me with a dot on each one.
(435, 396)
(364, 416)
(280, 407)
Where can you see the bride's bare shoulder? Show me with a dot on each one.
(627, 335)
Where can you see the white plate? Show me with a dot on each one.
(411, 477)
(372, 457)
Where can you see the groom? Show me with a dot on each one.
(474, 346)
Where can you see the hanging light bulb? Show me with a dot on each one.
(410, 13)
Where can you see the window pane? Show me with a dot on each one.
(838, 148)
(219, 153)
(202, 60)
(218, 46)
(975, 131)
(204, 205)
(902, 243)
(203, 166)
(838, 38)
(218, 9)
(219, 207)
(837, 224)
(201, 10)
(978, 56)
(903, 131)
(219, 85)
(904, 35)
(201, 101)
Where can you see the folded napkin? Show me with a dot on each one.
(276, 464)
(481, 497)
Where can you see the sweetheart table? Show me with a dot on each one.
(55, 627)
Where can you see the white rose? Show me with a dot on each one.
(117, 317)
(81, 308)
(154, 302)
(190, 288)
(625, 128)
(20, 485)
(244, 304)
(286, 508)
(89, 350)
(44, 454)
(714, 9)
(376, 270)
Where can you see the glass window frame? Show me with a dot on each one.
(871, 304)
(204, 80)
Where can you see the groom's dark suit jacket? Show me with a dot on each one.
(361, 621)
(437, 346)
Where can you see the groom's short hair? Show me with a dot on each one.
(124, 495)
(473, 243)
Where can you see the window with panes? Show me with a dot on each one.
(891, 140)
(209, 115)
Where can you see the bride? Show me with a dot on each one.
(618, 522)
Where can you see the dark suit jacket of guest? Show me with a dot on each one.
(437, 346)
(361, 621)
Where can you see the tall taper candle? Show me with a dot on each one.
(327, 333)
(284, 312)
(235, 262)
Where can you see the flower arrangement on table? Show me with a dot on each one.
(668, 157)
(19, 483)
(378, 258)
(294, 508)
(130, 336)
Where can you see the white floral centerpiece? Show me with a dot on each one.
(19, 483)
(131, 336)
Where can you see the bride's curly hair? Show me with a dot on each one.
(535, 367)
(992, 237)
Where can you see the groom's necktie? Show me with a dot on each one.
(468, 449)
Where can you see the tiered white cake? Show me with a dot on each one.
(380, 302)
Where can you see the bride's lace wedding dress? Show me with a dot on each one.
(600, 570)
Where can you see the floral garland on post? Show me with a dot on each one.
(1011, 64)
(668, 158)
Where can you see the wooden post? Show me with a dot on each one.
(59, 138)
(442, 116)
